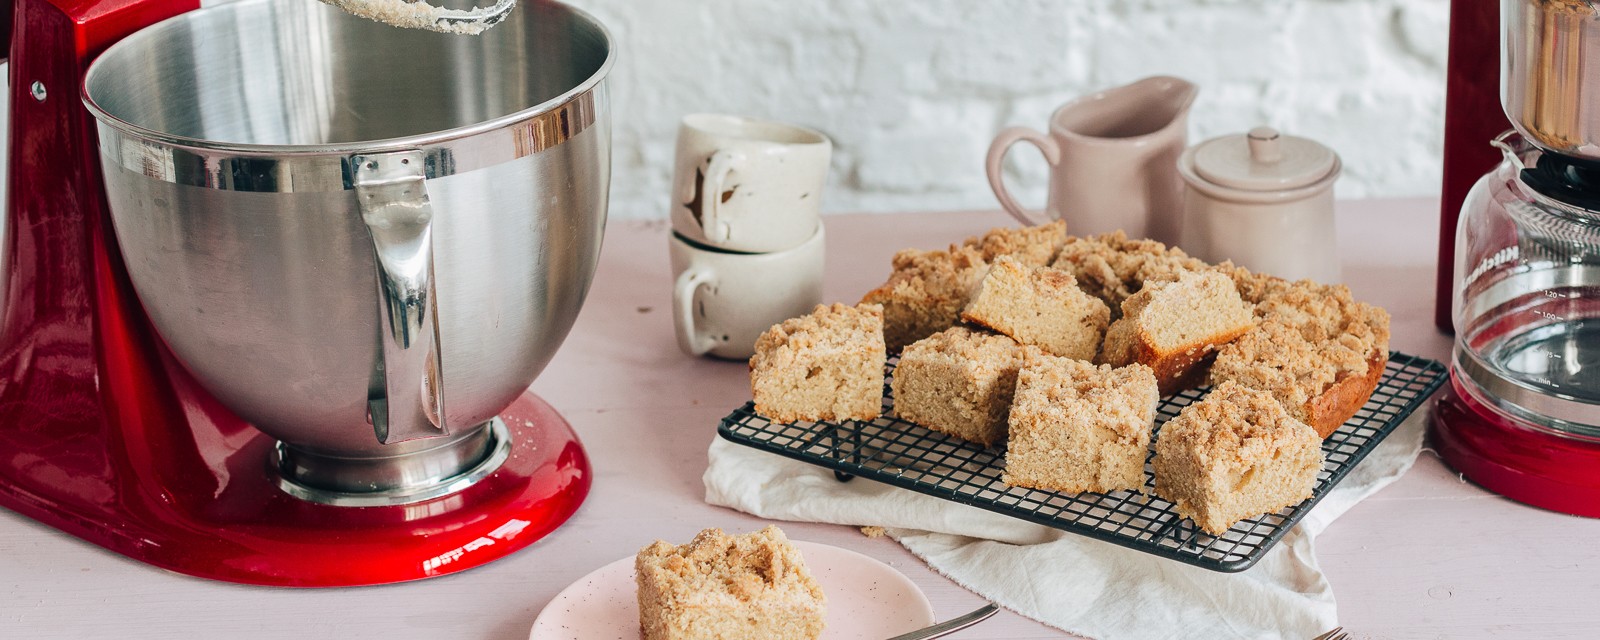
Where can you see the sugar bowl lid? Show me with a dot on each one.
(1263, 160)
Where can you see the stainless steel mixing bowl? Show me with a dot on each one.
(367, 241)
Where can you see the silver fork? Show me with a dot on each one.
(1336, 634)
(952, 625)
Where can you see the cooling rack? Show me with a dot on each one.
(907, 455)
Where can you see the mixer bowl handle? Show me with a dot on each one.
(406, 401)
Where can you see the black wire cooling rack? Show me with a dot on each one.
(907, 455)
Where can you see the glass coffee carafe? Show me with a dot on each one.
(1527, 296)
(1522, 416)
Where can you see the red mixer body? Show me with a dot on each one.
(105, 437)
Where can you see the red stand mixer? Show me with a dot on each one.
(264, 323)
(1522, 414)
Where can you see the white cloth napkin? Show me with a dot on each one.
(1065, 580)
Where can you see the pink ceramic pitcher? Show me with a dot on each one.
(1113, 160)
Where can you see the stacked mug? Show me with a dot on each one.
(747, 237)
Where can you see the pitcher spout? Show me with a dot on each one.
(1146, 107)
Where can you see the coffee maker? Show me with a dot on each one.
(276, 280)
(1522, 414)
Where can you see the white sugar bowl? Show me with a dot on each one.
(1263, 200)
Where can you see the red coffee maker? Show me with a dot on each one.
(105, 435)
(1472, 117)
(1520, 269)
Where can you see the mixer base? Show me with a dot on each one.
(210, 508)
(1532, 467)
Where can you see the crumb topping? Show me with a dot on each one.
(926, 292)
(1113, 267)
(933, 274)
(1034, 246)
(1076, 392)
(1277, 356)
(1254, 288)
(1310, 336)
(717, 566)
(1233, 425)
(836, 327)
(981, 352)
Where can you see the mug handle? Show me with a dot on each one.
(406, 401)
(717, 171)
(689, 338)
(997, 153)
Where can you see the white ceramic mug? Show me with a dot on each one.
(722, 300)
(749, 185)
(1113, 160)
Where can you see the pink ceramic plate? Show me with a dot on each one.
(866, 599)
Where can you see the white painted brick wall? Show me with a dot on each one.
(911, 91)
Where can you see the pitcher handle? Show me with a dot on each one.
(394, 205)
(997, 154)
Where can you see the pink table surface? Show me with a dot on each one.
(1429, 557)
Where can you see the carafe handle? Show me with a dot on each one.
(406, 401)
(1507, 142)
(997, 154)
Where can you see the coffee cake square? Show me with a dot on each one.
(827, 365)
(1176, 326)
(721, 587)
(1233, 455)
(959, 381)
(1079, 427)
(1039, 306)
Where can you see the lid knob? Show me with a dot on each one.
(1264, 145)
(1262, 159)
